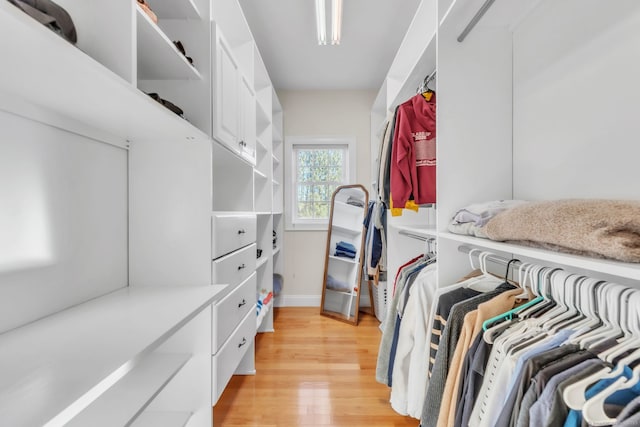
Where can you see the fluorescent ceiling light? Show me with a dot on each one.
(320, 22)
(336, 21)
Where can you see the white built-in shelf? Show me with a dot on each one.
(262, 261)
(175, 9)
(276, 250)
(616, 268)
(158, 57)
(162, 419)
(277, 134)
(344, 259)
(263, 213)
(425, 232)
(276, 183)
(260, 174)
(77, 92)
(134, 391)
(61, 364)
(277, 212)
(263, 118)
(261, 144)
(276, 160)
(263, 313)
(347, 230)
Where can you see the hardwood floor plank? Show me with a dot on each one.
(313, 371)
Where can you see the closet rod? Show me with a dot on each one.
(487, 4)
(492, 257)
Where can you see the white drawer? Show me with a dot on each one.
(232, 269)
(225, 362)
(228, 312)
(231, 231)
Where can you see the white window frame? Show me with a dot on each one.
(291, 223)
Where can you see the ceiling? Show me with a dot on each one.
(285, 32)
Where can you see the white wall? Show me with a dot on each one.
(576, 93)
(320, 113)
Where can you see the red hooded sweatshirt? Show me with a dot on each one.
(413, 153)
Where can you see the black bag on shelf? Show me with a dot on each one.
(50, 15)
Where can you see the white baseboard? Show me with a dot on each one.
(310, 301)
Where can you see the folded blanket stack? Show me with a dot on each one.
(345, 249)
(601, 228)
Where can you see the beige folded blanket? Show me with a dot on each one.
(604, 228)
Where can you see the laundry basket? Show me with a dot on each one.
(380, 297)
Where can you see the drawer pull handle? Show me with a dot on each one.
(240, 267)
(244, 341)
(241, 231)
(242, 303)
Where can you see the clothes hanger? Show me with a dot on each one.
(507, 315)
(525, 327)
(525, 276)
(571, 302)
(574, 394)
(587, 307)
(593, 409)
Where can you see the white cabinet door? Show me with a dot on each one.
(247, 121)
(226, 124)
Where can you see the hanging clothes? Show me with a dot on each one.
(413, 154)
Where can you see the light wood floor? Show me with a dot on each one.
(313, 371)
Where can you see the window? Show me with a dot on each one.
(317, 166)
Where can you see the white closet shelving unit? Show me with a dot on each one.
(177, 205)
(516, 118)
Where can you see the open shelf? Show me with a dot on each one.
(175, 9)
(345, 293)
(346, 230)
(158, 57)
(77, 92)
(162, 419)
(276, 250)
(134, 391)
(343, 259)
(263, 313)
(262, 261)
(260, 174)
(276, 160)
(102, 340)
(616, 268)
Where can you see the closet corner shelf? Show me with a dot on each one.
(262, 213)
(343, 259)
(276, 160)
(276, 182)
(263, 119)
(263, 314)
(277, 134)
(162, 419)
(262, 261)
(276, 250)
(171, 9)
(77, 92)
(615, 268)
(102, 337)
(260, 174)
(158, 57)
(262, 145)
(277, 212)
